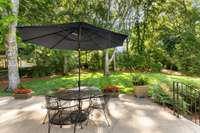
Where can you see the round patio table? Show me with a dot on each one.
(78, 116)
(73, 94)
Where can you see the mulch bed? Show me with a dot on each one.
(4, 82)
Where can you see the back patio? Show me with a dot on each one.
(128, 115)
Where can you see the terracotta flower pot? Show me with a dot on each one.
(112, 90)
(22, 95)
(141, 91)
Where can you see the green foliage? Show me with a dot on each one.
(6, 18)
(94, 61)
(139, 80)
(123, 80)
(187, 54)
(162, 34)
(159, 95)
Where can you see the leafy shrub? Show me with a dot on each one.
(139, 80)
(39, 73)
(155, 67)
(22, 91)
(127, 90)
(159, 95)
(111, 88)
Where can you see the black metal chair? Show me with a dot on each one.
(100, 103)
(78, 117)
(58, 114)
(51, 103)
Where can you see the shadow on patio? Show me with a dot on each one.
(128, 115)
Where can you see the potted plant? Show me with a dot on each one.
(113, 90)
(22, 93)
(141, 88)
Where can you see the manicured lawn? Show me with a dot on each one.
(123, 80)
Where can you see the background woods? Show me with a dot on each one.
(162, 34)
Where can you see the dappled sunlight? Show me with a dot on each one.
(36, 106)
(146, 121)
(117, 110)
(166, 115)
(4, 101)
(8, 116)
(127, 114)
(138, 105)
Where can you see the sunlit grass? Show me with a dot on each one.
(121, 79)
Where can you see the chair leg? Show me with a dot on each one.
(108, 112)
(44, 120)
(81, 124)
(75, 128)
(106, 118)
(49, 127)
(87, 122)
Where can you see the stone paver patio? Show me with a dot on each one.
(128, 115)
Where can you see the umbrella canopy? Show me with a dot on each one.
(71, 36)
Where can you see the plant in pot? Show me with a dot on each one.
(113, 90)
(22, 93)
(140, 84)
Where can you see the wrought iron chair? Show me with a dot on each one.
(57, 114)
(100, 103)
(81, 116)
(51, 102)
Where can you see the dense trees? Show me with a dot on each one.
(162, 33)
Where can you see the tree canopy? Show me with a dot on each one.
(162, 33)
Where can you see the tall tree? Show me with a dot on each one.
(11, 49)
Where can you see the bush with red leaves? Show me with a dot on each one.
(111, 89)
(22, 91)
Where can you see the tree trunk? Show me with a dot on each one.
(137, 25)
(114, 62)
(106, 51)
(106, 65)
(108, 61)
(65, 65)
(11, 50)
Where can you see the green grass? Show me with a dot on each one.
(123, 80)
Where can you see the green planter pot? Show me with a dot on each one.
(22, 96)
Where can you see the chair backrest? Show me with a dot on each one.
(100, 102)
(52, 103)
(59, 114)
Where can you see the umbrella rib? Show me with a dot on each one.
(70, 39)
(64, 37)
(43, 35)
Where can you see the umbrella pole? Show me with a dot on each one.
(79, 70)
(79, 60)
(79, 67)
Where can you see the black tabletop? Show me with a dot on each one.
(76, 95)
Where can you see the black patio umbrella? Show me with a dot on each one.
(72, 36)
